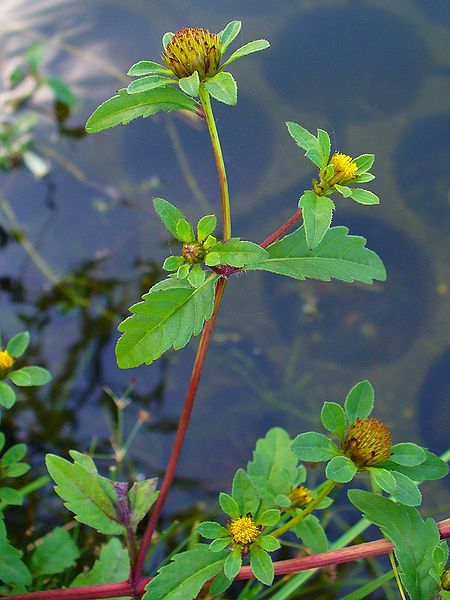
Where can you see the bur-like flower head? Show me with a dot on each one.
(193, 49)
(367, 443)
(344, 167)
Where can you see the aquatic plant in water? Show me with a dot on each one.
(268, 498)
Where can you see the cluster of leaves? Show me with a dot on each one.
(24, 376)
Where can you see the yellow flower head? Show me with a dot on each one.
(6, 360)
(300, 496)
(193, 49)
(193, 252)
(344, 168)
(368, 442)
(244, 531)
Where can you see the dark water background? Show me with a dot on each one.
(376, 74)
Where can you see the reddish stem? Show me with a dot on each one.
(180, 435)
(279, 232)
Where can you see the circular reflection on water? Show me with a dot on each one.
(370, 62)
(424, 157)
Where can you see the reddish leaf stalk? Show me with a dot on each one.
(279, 232)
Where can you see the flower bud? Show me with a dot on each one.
(193, 49)
(193, 252)
(368, 442)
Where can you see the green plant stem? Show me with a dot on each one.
(180, 435)
(209, 117)
(329, 485)
(397, 578)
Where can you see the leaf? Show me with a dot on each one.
(384, 479)
(311, 532)
(91, 497)
(7, 395)
(185, 576)
(250, 48)
(10, 496)
(205, 227)
(212, 530)
(229, 505)
(333, 419)
(359, 401)
(269, 518)
(229, 34)
(237, 253)
(307, 141)
(364, 178)
(407, 454)
(269, 543)
(233, 563)
(243, 491)
(55, 554)
(30, 376)
(166, 38)
(190, 85)
(341, 469)
(169, 214)
(165, 318)
(123, 108)
(364, 163)
(141, 496)
(324, 145)
(313, 447)
(407, 491)
(317, 214)
(414, 540)
(185, 232)
(149, 83)
(147, 67)
(18, 344)
(432, 468)
(222, 87)
(344, 190)
(12, 570)
(364, 197)
(173, 263)
(339, 256)
(61, 90)
(196, 276)
(14, 454)
(261, 564)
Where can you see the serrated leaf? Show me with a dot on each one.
(333, 419)
(7, 395)
(344, 190)
(222, 87)
(169, 214)
(307, 141)
(91, 497)
(414, 540)
(233, 563)
(55, 554)
(112, 566)
(190, 85)
(166, 318)
(407, 454)
(212, 259)
(313, 447)
(12, 570)
(205, 227)
(384, 479)
(196, 276)
(269, 518)
(339, 256)
(269, 543)
(141, 496)
(229, 34)
(250, 48)
(359, 401)
(313, 535)
(149, 83)
(364, 163)
(185, 576)
(238, 253)
(183, 271)
(317, 214)
(173, 263)
(364, 197)
(324, 145)
(407, 491)
(261, 564)
(431, 469)
(220, 584)
(219, 544)
(123, 108)
(340, 469)
(30, 376)
(229, 505)
(18, 344)
(185, 231)
(244, 492)
(364, 178)
(147, 67)
(211, 530)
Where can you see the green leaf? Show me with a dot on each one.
(339, 256)
(14, 454)
(244, 492)
(407, 491)
(324, 145)
(317, 214)
(233, 563)
(61, 90)
(12, 570)
(185, 576)
(407, 454)
(414, 540)
(169, 214)
(261, 564)
(220, 584)
(7, 395)
(91, 497)
(196, 276)
(185, 231)
(341, 469)
(313, 447)
(166, 38)
(364, 197)
(212, 530)
(18, 344)
(250, 48)
(229, 34)
(364, 163)
(238, 253)
(344, 190)
(205, 227)
(112, 566)
(274, 469)
(333, 419)
(364, 178)
(222, 87)
(183, 271)
(55, 554)
(359, 401)
(307, 141)
(269, 518)
(432, 468)
(123, 108)
(384, 479)
(229, 505)
(219, 544)
(148, 67)
(166, 318)
(190, 85)
(173, 263)
(312, 533)
(269, 543)
(10, 496)
(149, 83)
(30, 376)
(141, 497)
(212, 259)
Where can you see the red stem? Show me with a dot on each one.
(282, 567)
(180, 435)
(279, 232)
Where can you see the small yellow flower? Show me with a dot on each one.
(6, 360)
(300, 496)
(193, 49)
(193, 252)
(344, 168)
(368, 442)
(244, 531)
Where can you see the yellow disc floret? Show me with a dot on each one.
(193, 49)
(6, 360)
(300, 496)
(368, 442)
(244, 530)
(344, 168)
